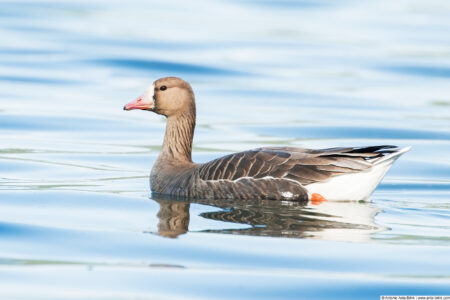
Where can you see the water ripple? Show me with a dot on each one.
(37, 80)
(165, 66)
(423, 71)
(361, 132)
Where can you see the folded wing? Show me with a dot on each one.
(304, 166)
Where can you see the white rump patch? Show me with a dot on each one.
(355, 186)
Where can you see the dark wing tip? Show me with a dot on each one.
(381, 148)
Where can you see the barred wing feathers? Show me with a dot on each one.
(304, 166)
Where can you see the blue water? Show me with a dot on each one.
(77, 219)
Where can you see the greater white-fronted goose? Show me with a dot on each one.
(279, 173)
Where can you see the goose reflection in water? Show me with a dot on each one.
(173, 218)
(344, 221)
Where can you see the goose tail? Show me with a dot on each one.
(359, 185)
(391, 156)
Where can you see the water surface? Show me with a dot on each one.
(78, 220)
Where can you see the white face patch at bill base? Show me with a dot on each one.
(148, 96)
(150, 92)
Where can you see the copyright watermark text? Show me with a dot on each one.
(414, 297)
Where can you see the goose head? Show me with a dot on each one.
(168, 96)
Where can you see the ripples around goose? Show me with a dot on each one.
(76, 221)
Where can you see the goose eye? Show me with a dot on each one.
(163, 88)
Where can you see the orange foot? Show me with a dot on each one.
(316, 199)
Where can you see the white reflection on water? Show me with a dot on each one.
(340, 221)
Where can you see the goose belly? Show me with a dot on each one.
(353, 186)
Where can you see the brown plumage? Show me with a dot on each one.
(280, 173)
